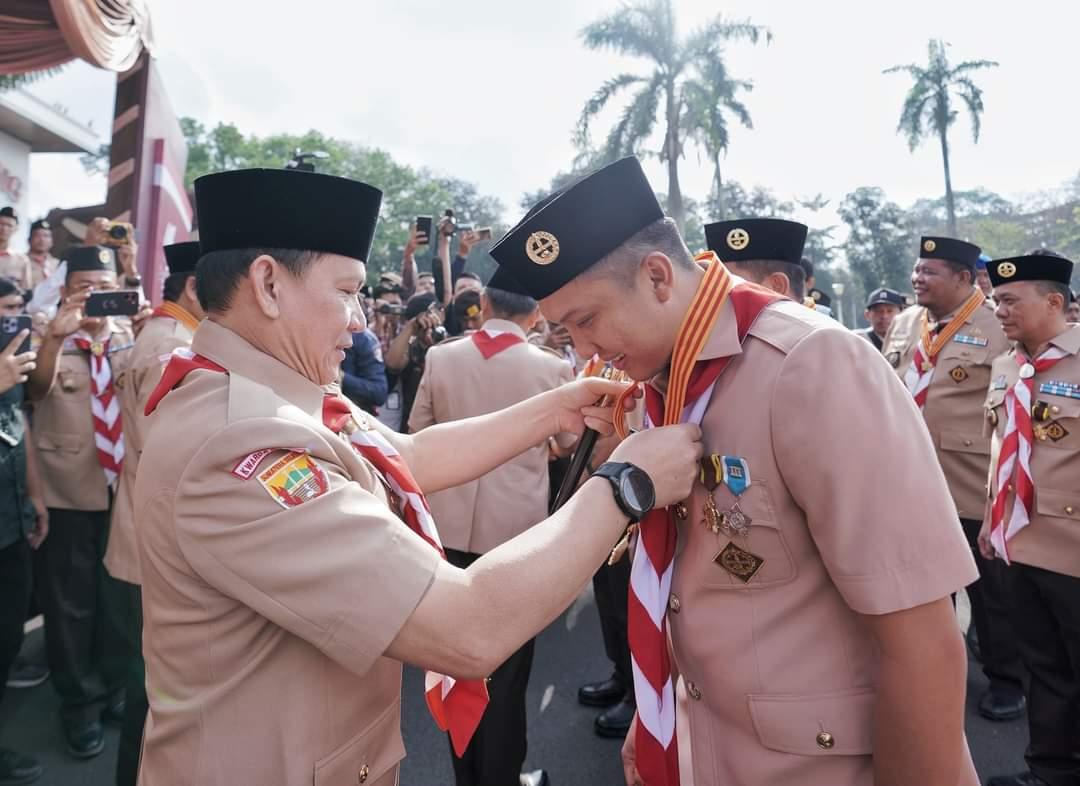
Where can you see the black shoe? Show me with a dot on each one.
(84, 740)
(972, 639)
(535, 778)
(17, 769)
(25, 674)
(1000, 704)
(615, 722)
(601, 694)
(1020, 779)
(113, 713)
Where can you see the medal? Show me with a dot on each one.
(622, 545)
(734, 522)
(97, 349)
(714, 517)
(739, 562)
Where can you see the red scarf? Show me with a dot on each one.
(105, 407)
(491, 345)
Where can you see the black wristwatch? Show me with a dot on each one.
(634, 492)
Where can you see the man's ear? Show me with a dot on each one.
(263, 279)
(778, 282)
(660, 273)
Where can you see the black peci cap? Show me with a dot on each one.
(182, 257)
(87, 258)
(757, 239)
(1033, 267)
(967, 254)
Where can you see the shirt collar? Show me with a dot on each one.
(1069, 340)
(503, 326)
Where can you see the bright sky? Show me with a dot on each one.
(490, 90)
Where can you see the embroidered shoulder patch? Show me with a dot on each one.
(247, 465)
(294, 479)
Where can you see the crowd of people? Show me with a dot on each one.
(238, 512)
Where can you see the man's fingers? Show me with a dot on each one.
(9, 350)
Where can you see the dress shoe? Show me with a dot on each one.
(26, 674)
(114, 710)
(972, 639)
(1020, 779)
(84, 740)
(615, 721)
(535, 778)
(601, 694)
(1002, 704)
(17, 769)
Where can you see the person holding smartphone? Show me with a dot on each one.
(79, 436)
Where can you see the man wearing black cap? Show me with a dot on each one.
(819, 301)
(13, 264)
(79, 436)
(1072, 313)
(171, 327)
(943, 350)
(42, 262)
(289, 560)
(1032, 521)
(881, 309)
(767, 251)
(776, 544)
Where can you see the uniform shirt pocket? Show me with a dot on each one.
(839, 723)
(57, 442)
(72, 384)
(963, 442)
(1058, 504)
(367, 757)
(764, 540)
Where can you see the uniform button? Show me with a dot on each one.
(1069, 510)
(362, 776)
(693, 690)
(1055, 409)
(681, 512)
(674, 603)
(825, 741)
(967, 443)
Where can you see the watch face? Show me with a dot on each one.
(637, 490)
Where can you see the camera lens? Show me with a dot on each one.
(117, 232)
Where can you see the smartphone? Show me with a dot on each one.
(423, 226)
(483, 233)
(10, 327)
(114, 303)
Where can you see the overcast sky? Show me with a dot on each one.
(489, 90)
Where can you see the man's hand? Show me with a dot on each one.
(629, 756)
(125, 255)
(41, 524)
(97, 231)
(466, 243)
(138, 321)
(669, 456)
(985, 546)
(581, 404)
(14, 368)
(69, 317)
(416, 239)
(558, 337)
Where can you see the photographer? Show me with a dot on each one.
(363, 375)
(423, 328)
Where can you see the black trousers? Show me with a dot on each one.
(15, 582)
(1046, 616)
(83, 633)
(129, 608)
(611, 583)
(990, 615)
(496, 752)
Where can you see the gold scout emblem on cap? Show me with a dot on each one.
(1006, 270)
(542, 248)
(738, 239)
(103, 257)
(929, 245)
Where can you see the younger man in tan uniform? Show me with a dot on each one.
(808, 598)
(287, 555)
(42, 262)
(731, 241)
(13, 264)
(171, 327)
(943, 349)
(484, 372)
(79, 436)
(1033, 511)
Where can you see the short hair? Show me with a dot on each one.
(960, 267)
(1051, 287)
(9, 287)
(469, 274)
(174, 286)
(1044, 252)
(807, 268)
(796, 274)
(662, 235)
(219, 273)
(509, 305)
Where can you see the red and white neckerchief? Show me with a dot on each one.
(1013, 473)
(491, 342)
(456, 705)
(105, 407)
(921, 371)
(690, 387)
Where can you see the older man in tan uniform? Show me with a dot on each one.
(288, 559)
(171, 327)
(488, 370)
(79, 436)
(1033, 511)
(808, 599)
(948, 377)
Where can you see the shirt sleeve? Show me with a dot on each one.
(857, 459)
(423, 408)
(363, 373)
(338, 569)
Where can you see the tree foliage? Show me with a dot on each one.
(880, 247)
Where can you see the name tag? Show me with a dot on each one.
(1066, 389)
(974, 341)
(999, 383)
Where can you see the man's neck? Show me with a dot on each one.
(1039, 341)
(939, 313)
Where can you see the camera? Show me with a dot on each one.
(119, 233)
(390, 309)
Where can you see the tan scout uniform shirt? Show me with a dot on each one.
(64, 426)
(459, 383)
(265, 625)
(1052, 540)
(41, 271)
(953, 411)
(156, 341)
(844, 530)
(18, 268)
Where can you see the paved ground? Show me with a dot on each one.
(561, 739)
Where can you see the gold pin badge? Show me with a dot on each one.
(740, 563)
(929, 246)
(1006, 270)
(104, 257)
(738, 239)
(958, 374)
(542, 248)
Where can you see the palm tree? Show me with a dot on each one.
(928, 106)
(647, 29)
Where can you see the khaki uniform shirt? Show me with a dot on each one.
(844, 529)
(40, 272)
(18, 268)
(459, 383)
(265, 624)
(1052, 540)
(156, 341)
(953, 411)
(63, 430)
